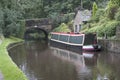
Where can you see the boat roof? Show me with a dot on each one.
(69, 33)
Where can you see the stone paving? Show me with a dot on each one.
(1, 76)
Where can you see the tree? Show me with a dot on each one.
(94, 9)
(116, 2)
(111, 9)
(13, 11)
(10, 15)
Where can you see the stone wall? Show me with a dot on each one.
(43, 23)
(110, 45)
(118, 32)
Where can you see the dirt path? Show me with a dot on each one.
(0, 41)
(1, 76)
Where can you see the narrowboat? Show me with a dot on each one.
(70, 41)
(75, 41)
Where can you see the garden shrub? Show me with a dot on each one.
(70, 26)
(61, 18)
(110, 28)
(62, 28)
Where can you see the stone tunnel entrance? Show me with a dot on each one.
(35, 34)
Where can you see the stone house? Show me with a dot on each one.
(81, 17)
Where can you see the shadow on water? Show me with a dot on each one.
(39, 61)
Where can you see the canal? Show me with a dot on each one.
(39, 61)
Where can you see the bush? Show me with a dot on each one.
(99, 13)
(111, 11)
(62, 28)
(70, 26)
(1, 20)
(61, 18)
(108, 28)
(21, 29)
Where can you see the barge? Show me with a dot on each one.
(69, 41)
(77, 42)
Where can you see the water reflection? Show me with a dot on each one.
(108, 65)
(75, 59)
(42, 62)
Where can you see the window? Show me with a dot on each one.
(76, 39)
(63, 38)
(54, 36)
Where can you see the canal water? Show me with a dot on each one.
(39, 61)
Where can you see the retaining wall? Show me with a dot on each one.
(110, 45)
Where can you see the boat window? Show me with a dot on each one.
(63, 38)
(54, 36)
(76, 39)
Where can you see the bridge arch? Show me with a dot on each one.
(35, 30)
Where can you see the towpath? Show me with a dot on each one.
(1, 76)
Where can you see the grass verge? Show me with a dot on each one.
(8, 68)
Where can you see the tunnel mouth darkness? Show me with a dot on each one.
(35, 34)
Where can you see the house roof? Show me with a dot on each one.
(82, 16)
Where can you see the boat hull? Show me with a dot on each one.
(73, 48)
(95, 47)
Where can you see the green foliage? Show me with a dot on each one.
(111, 10)
(70, 26)
(60, 11)
(61, 18)
(1, 20)
(37, 35)
(102, 3)
(94, 9)
(42, 8)
(105, 20)
(10, 15)
(20, 29)
(33, 9)
(116, 2)
(8, 68)
(108, 27)
(98, 15)
(55, 18)
(117, 15)
(62, 28)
